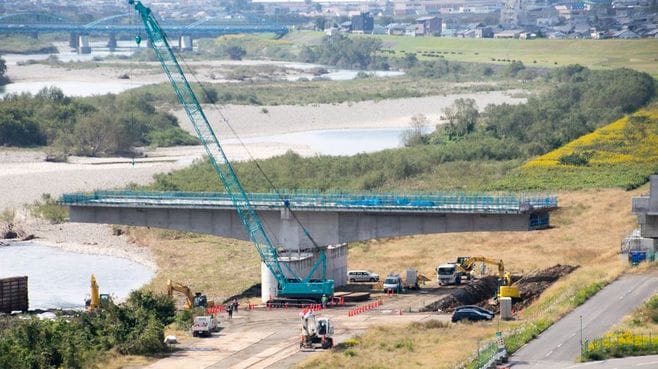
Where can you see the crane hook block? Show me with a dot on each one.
(138, 39)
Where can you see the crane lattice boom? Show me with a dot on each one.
(287, 288)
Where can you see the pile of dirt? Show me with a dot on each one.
(533, 284)
(481, 291)
(475, 293)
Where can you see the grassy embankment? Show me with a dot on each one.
(25, 44)
(621, 154)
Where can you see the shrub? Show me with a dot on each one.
(48, 208)
(579, 159)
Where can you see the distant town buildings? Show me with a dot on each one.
(595, 19)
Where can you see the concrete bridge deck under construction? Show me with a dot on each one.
(330, 218)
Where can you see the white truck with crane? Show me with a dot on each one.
(290, 284)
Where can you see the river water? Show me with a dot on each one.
(126, 48)
(336, 141)
(61, 279)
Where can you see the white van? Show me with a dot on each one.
(362, 276)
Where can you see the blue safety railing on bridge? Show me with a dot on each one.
(438, 202)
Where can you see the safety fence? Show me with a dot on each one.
(488, 355)
(620, 344)
(363, 308)
(439, 202)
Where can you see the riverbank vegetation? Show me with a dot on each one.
(94, 126)
(459, 154)
(25, 44)
(82, 340)
(621, 154)
(3, 70)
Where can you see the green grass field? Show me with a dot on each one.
(641, 55)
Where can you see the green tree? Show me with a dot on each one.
(462, 118)
(415, 134)
(3, 70)
(236, 52)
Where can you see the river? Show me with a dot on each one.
(126, 48)
(61, 279)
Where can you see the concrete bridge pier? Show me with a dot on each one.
(185, 43)
(301, 263)
(112, 42)
(83, 45)
(74, 40)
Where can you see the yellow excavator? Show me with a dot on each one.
(506, 288)
(192, 300)
(97, 300)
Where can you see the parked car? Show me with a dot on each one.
(393, 283)
(473, 313)
(362, 276)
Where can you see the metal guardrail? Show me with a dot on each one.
(441, 202)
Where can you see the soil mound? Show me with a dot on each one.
(533, 284)
(481, 291)
(474, 294)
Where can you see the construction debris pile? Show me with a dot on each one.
(484, 289)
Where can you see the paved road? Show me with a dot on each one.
(638, 362)
(559, 346)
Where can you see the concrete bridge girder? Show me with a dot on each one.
(326, 227)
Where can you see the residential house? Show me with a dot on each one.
(428, 26)
(625, 34)
(362, 23)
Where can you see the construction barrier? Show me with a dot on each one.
(363, 308)
(215, 309)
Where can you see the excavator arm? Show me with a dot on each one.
(173, 286)
(468, 264)
(506, 288)
(294, 287)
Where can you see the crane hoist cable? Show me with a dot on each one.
(224, 119)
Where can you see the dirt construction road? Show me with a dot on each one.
(264, 338)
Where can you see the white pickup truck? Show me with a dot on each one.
(204, 326)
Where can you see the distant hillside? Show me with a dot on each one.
(621, 154)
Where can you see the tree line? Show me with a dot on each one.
(580, 101)
(94, 126)
(84, 339)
